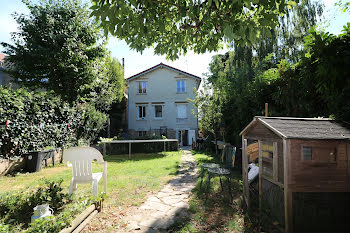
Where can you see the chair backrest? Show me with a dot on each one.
(81, 159)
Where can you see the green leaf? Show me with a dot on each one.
(217, 3)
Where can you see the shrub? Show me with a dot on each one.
(16, 206)
(16, 209)
(35, 120)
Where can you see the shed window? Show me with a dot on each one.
(267, 158)
(267, 150)
(307, 153)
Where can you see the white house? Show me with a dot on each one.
(5, 79)
(159, 103)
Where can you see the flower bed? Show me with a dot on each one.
(16, 209)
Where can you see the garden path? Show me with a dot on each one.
(169, 205)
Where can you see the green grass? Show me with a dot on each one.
(129, 180)
(215, 214)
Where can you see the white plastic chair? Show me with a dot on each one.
(81, 159)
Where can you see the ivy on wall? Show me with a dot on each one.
(31, 121)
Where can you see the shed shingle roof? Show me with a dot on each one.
(305, 128)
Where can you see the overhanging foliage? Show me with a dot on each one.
(175, 27)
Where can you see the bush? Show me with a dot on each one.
(16, 209)
(35, 120)
(16, 206)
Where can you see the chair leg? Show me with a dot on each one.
(208, 187)
(201, 176)
(229, 189)
(105, 183)
(72, 187)
(94, 187)
(222, 188)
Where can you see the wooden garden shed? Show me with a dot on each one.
(304, 172)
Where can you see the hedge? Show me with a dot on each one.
(31, 121)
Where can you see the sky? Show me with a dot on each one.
(136, 62)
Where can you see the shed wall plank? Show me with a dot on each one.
(260, 131)
(275, 161)
(322, 173)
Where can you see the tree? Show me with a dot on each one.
(248, 77)
(326, 66)
(59, 48)
(174, 27)
(107, 87)
(209, 114)
(55, 48)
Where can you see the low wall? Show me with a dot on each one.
(140, 147)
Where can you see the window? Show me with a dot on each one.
(267, 150)
(307, 153)
(142, 112)
(267, 159)
(181, 86)
(142, 87)
(181, 111)
(142, 133)
(158, 111)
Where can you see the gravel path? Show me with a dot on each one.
(169, 205)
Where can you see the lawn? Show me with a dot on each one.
(216, 214)
(129, 180)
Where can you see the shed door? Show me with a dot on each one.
(245, 171)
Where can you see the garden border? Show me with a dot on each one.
(79, 223)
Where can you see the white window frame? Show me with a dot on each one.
(143, 90)
(181, 88)
(155, 112)
(144, 111)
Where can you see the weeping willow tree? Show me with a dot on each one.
(243, 74)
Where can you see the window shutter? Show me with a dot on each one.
(181, 111)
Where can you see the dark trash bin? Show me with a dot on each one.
(34, 160)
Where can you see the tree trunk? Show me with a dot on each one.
(216, 144)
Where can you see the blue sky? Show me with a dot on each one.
(135, 62)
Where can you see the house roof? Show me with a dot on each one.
(161, 65)
(303, 128)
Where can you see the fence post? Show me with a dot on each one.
(104, 148)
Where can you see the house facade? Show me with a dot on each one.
(159, 104)
(5, 79)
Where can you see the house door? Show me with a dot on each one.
(185, 137)
(191, 136)
(179, 137)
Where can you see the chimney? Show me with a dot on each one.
(123, 67)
